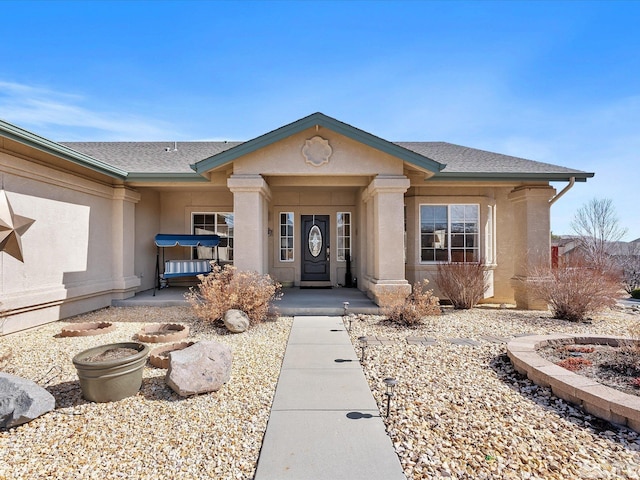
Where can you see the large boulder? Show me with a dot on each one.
(236, 321)
(203, 367)
(22, 400)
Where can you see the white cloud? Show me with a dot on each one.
(62, 116)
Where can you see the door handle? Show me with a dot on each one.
(328, 254)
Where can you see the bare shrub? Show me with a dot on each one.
(634, 346)
(628, 259)
(411, 310)
(464, 284)
(575, 288)
(226, 288)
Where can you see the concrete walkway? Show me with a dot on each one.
(324, 422)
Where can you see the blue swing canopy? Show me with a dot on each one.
(185, 240)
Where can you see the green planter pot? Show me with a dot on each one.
(111, 380)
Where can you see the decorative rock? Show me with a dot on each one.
(200, 368)
(22, 400)
(236, 321)
(159, 357)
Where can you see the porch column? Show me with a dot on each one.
(385, 234)
(531, 239)
(251, 196)
(123, 239)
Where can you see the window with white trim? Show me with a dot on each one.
(220, 223)
(449, 233)
(343, 220)
(286, 236)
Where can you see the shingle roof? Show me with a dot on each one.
(460, 159)
(151, 157)
(170, 157)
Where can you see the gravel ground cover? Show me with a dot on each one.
(459, 411)
(155, 434)
(462, 412)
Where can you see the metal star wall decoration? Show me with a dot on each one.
(12, 227)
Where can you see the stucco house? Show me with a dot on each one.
(78, 220)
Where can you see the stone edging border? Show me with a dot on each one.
(87, 329)
(598, 400)
(163, 332)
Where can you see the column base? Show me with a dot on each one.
(378, 287)
(525, 300)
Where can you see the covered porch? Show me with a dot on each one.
(295, 301)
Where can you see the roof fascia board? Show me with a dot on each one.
(32, 140)
(167, 177)
(548, 177)
(317, 119)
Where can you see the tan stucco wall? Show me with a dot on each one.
(532, 242)
(510, 228)
(170, 210)
(78, 254)
(348, 158)
(147, 221)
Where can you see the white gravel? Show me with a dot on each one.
(155, 434)
(463, 412)
(459, 411)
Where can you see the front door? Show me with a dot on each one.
(315, 251)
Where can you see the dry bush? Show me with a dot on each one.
(227, 288)
(410, 311)
(575, 289)
(634, 347)
(464, 284)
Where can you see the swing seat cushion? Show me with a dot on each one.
(186, 268)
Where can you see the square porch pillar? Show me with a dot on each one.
(251, 196)
(125, 281)
(384, 199)
(531, 239)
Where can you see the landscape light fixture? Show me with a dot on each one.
(347, 317)
(363, 344)
(391, 385)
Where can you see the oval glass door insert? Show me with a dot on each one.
(315, 241)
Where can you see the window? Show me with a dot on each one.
(449, 233)
(344, 236)
(286, 236)
(220, 224)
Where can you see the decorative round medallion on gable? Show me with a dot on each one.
(315, 241)
(317, 151)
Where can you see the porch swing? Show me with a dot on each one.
(183, 268)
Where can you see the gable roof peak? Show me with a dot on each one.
(318, 119)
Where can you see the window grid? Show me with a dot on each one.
(219, 223)
(286, 237)
(449, 233)
(343, 220)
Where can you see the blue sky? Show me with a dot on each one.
(553, 81)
